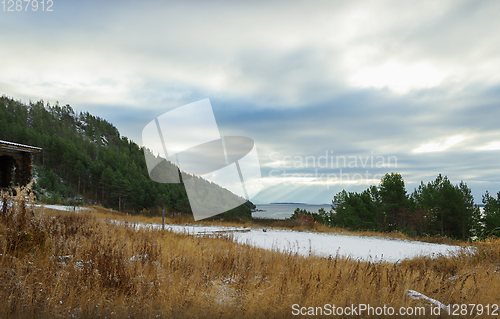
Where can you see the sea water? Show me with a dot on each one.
(284, 211)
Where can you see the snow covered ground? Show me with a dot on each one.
(60, 207)
(320, 244)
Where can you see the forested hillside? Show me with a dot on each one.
(85, 159)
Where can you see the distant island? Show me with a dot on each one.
(299, 204)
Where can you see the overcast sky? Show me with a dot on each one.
(334, 93)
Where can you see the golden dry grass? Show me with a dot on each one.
(80, 265)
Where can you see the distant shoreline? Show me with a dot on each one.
(295, 204)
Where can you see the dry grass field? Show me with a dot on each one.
(81, 265)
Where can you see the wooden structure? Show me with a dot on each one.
(16, 163)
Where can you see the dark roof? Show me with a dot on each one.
(19, 147)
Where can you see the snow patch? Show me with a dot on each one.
(374, 249)
(415, 295)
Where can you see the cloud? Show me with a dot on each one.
(439, 146)
(398, 78)
(492, 146)
(415, 80)
(282, 58)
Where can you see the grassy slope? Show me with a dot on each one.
(66, 264)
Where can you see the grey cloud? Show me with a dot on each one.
(278, 73)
